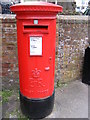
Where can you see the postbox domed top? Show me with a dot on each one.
(36, 6)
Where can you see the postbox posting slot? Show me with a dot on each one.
(36, 28)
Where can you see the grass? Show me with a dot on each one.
(15, 113)
(59, 84)
(18, 114)
(0, 98)
(0, 93)
(5, 95)
(0, 103)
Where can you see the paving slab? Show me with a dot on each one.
(71, 101)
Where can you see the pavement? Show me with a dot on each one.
(71, 101)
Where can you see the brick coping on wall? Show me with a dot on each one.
(72, 17)
(8, 17)
(65, 17)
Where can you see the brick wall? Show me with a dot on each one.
(71, 37)
(0, 53)
(9, 51)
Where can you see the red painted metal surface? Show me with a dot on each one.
(36, 72)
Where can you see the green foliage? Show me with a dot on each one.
(59, 84)
(5, 95)
(0, 93)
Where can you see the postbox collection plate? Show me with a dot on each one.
(35, 45)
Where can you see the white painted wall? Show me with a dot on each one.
(82, 2)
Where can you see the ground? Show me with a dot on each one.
(71, 101)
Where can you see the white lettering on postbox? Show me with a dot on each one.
(35, 45)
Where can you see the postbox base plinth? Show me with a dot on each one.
(36, 108)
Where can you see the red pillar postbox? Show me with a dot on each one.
(36, 34)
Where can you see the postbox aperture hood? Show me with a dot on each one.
(36, 6)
